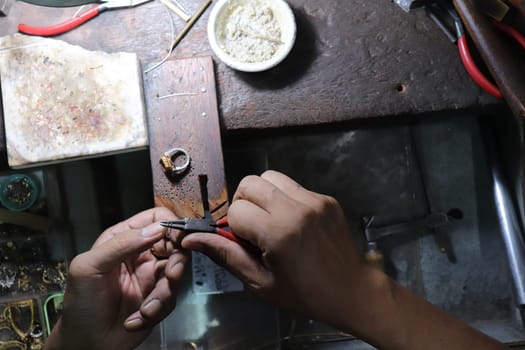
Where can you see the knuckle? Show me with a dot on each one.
(233, 210)
(245, 184)
(269, 173)
(76, 267)
(326, 204)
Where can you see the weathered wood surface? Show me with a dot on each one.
(353, 59)
(189, 121)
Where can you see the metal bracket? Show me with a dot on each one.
(408, 5)
(5, 5)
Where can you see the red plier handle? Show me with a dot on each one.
(223, 222)
(474, 71)
(470, 65)
(219, 227)
(64, 26)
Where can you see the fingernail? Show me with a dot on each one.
(134, 323)
(151, 307)
(152, 230)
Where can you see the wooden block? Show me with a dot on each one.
(62, 102)
(181, 102)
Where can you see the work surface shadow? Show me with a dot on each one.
(397, 175)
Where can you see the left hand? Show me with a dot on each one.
(117, 291)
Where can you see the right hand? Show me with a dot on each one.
(308, 263)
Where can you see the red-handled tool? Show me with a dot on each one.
(474, 71)
(469, 63)
(220, 227)
(81, 18)
(207, 224)
(437, 9)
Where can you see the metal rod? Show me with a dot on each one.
(511, 231)
(512, 236)
(191, 22)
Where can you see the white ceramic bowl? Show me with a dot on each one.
(281, 12)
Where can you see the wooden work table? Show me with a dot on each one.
(352, 60)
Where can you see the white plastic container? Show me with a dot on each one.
(251, 35)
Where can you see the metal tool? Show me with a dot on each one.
(441, 236)
(429, 222)
(433, 221)
(5, 5)
(81, 18)
(408, 5)
(437, 10)
(190, 225)
(190, 24)
(207, 224)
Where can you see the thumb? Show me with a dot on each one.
(230, 255)
(105, 257)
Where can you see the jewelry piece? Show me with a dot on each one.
(37, 334)
(37, 331)
(24, 283)
(12, 345)
(6, 333)
(7, 277)
(167, 161)
(51, 275)
(19, 306)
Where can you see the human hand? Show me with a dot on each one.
(309, 262)
(117, 291)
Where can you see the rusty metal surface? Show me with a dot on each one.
(181, 103)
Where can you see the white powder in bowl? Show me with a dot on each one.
(249, 31)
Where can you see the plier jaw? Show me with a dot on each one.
(191, 225)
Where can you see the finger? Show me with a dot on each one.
(289, 187)
(262, 193)
(175, 236)
(162, 299)
(230, 255)
(249, 222)
(137, 221)
(106, 256)
(163, 248)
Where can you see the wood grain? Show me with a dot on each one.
(353, 59)
(188, 120)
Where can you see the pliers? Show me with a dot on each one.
(207, 224)
(220, 227)
(190, 225)
(435, 11)
(81, 18)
